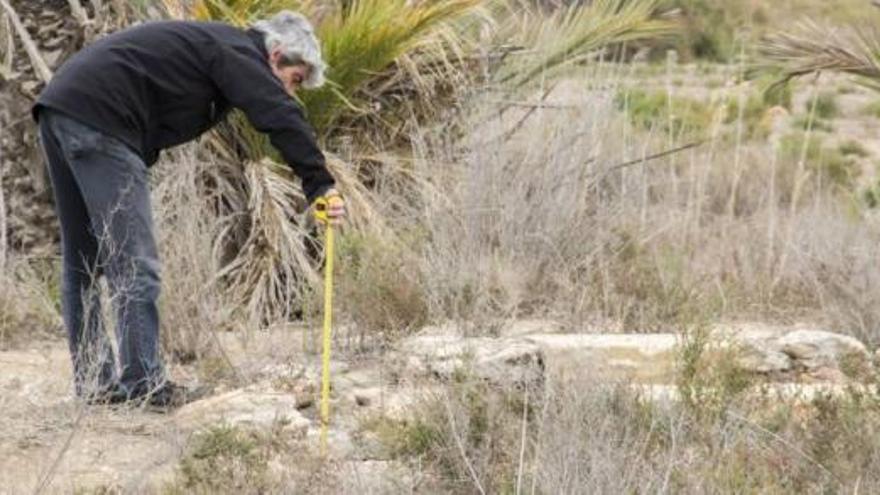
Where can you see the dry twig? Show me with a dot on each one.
(40, 67)
(3, 242)
(79, 13)
(9, 51)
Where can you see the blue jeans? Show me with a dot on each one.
(102, 198)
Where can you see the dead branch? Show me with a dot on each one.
(79, 13)
(9, 52)
(3, 240)
(42, 70)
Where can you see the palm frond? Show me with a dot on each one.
(272, 268)
(812, 47)
(266, 245)
(575, 32)
(364, 41)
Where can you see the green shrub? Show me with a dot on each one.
(805, 122)
(379, 284)
(841, 169)
(709, 379)
(472, 418)
(872, 109)
(826, 106)
(853, 148)
(657, 110)
(871, 195)
(223, 459)
(710, 28)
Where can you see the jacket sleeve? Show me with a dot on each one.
(247, 82)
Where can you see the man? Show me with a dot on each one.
(103, 120)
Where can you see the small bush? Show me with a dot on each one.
(826, 106)
(30, 303)
(472, 416)
(223, 459)
(710, 27)
(836, 167)
(380, 284)
(804, 122)
(871, 195)
(583, 437)
(755, 110)
(709, 381)
(872, 109)
(853, 148)
(671, 115)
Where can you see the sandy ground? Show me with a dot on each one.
(52, 443)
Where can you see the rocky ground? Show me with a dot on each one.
(50, 443)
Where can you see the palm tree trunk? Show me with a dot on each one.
(44, 33)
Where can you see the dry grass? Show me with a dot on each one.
(582, 437)
(29, 302)
(531, 218)
(193, 306)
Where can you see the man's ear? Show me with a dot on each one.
(275, 56)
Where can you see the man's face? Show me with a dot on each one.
(290, 75)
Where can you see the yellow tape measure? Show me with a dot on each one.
(321, 207)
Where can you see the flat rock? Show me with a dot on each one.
(642, 358)
(816, 349)
(504, 361)
(757, 348)
(243, 407)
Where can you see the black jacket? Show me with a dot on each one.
(161, 84)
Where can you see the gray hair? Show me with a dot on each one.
(294, 34)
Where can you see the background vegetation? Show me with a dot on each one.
(612, 164)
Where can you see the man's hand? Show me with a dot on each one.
(329, 207)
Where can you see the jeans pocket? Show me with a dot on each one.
(83, 144)
(76, 139)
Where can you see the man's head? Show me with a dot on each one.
(294, 52)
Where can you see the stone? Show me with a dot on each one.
(757, 350)
(521, 328)
(641, 358)
(503, 361)
(243, 407)
(340, 444)
(815, 349)
(367, 397)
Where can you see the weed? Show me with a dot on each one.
(223, 459)
(804, 122)
(380, 285)
(826, 106)
(709, 378)
(404, 438)
(671, 115)
(872, 109)
(831, 164)
(29, 302)
(853, 148)
(871, 195)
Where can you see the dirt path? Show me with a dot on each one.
(49, 440)
(53, 443)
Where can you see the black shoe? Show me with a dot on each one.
(107, 396)
(170, 396)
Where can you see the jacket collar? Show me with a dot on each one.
(259, 41)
